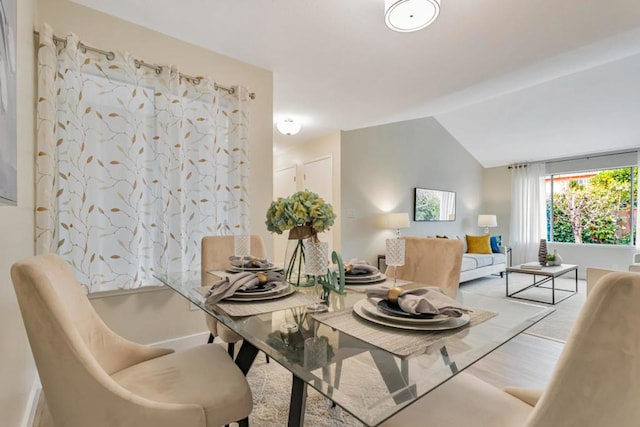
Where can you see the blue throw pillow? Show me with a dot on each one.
(495, 242)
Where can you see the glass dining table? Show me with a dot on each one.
(368, 381)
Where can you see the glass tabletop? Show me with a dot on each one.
(368, 382)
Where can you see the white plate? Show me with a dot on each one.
(371, 308)
(234, 269)
(370, 282)
(280, 286)
(362, 279)
(453, 323)
(362, 276)
(287, 291)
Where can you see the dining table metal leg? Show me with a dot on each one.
(246, 356)
(297, 403)
(393, 376)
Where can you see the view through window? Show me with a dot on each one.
(598, 207)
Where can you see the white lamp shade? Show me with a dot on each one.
(288, 127)
(398, 220)
(410, 15)
(487, 221)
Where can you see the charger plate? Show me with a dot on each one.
(371, 308)
(234, 269)
(360, 309)
(283, 291)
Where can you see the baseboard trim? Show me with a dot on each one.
(184, 342)
(32, 404)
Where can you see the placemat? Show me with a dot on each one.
(251, 308)
(400, 342)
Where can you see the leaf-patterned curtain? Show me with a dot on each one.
(133, 165)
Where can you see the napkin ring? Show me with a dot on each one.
(262, 277)
(393, 294)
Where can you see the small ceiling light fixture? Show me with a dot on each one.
(288, 127)
(410, 15)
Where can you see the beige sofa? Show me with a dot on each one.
(475, 266)
(478, 265)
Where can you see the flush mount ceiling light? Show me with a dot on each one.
(410, 15)
(288, 127)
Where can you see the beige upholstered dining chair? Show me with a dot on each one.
(215, 252)
(596, 382)
(431, 261)
(93, 377)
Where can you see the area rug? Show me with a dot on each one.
(555, 326)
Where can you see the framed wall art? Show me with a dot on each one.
(434, 205)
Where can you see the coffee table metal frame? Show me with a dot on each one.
(549, 274)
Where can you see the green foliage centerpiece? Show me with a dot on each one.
(304, 214)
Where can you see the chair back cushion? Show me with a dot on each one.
(73, 349)
(597, 379)
(217, 249)
(432, 262)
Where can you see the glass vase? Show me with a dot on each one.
(294, 257)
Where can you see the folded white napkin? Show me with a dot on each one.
(357, 266)
(228, 286)
(249, 262)
(429, 300)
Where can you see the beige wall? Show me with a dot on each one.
(17, 371)
(496, 196)
(381, 166)
(328, 145)
(148, 316)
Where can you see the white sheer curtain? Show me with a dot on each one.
(528, 213)
(133, 166)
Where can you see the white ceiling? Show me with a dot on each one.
(513, 81)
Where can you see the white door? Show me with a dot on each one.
(318, 178)
(284, 185)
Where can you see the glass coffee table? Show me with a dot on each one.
(541, 277)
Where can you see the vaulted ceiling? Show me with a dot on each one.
(512, 81)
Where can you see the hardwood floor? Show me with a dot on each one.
(525, 361)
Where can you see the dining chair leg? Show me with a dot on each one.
(210, 340)
(267, 356)
(231, 349)
(243, 422)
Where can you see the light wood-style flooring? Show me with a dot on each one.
(525, 361)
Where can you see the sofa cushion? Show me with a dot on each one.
(481, 260)
(499, 258)
(478, 244)
(468, 263)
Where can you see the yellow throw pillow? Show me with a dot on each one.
(478, 244)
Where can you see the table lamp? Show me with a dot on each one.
(487, 221)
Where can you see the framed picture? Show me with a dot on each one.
(434, 205)
(8, 117)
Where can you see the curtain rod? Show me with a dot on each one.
(591, 156)
(584, 157)
(139, 63)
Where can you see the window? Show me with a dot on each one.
(597, 206)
